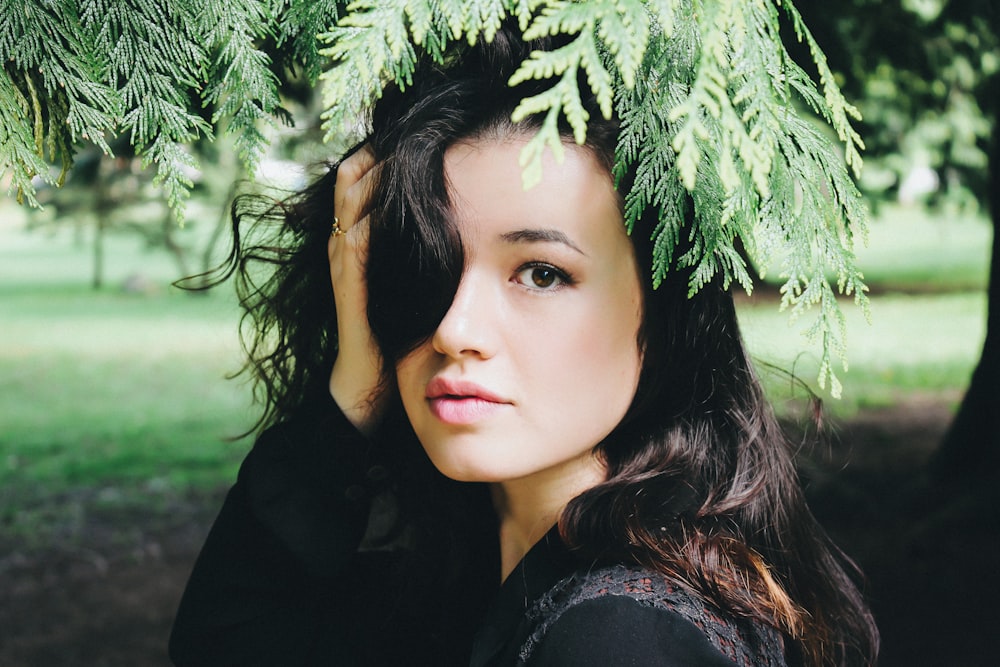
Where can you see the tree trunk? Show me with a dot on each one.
(97, 279)
(176, 250)
(102, 208)
(208, 264)
(971, 447)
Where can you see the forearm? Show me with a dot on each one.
(266, 587)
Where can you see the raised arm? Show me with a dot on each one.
(356, 375)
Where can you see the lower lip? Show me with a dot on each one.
(463, 411)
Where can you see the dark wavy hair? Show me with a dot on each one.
(700, 483)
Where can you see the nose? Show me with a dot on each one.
(470, 328)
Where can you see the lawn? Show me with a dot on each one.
(112, 386)
(114, 392)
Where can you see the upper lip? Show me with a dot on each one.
(442, 387)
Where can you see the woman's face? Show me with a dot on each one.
(537, 359)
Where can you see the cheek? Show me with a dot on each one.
(613, 361)
(615, 322)
(619, 341)
(598, 359)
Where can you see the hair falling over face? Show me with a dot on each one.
(700, 480)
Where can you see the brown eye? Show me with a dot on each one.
(541, 277)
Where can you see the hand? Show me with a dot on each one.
(357, 372)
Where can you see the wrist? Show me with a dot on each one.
(354, 388)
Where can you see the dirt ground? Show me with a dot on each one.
(103, 592)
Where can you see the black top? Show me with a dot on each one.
(295, 571)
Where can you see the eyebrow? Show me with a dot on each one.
(540, 236)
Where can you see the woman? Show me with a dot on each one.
(492, 442)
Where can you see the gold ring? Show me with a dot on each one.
(336, 230)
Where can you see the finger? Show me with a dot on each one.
(353, 185)
(358, 201)
(354, 167)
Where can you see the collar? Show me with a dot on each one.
(545, 564)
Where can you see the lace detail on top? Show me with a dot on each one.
(745, 642)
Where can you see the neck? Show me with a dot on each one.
(528, 507)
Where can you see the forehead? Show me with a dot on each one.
(485, 189)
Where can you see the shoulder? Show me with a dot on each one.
(619, 630)
(633, 616)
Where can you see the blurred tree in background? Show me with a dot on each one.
(105, 195)
(926, 76)
(923, 74)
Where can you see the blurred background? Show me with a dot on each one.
(118, 424)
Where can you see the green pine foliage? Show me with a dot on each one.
(54, 91)
(709, 99)
(243, 87)
(298, 28)
(162, 72)
(153, 56)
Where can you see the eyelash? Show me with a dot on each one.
(563, 277)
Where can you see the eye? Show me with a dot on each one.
(542, 276)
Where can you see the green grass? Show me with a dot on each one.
(109, 390)
(123, 389)
(910, 249)
(915, 344)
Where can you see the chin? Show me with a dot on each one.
(465, 471)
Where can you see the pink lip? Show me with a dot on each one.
(459, 402)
